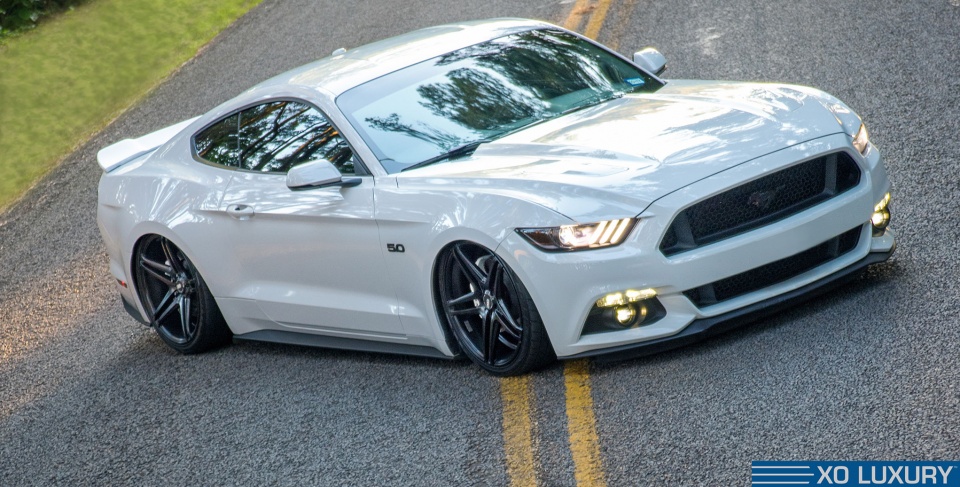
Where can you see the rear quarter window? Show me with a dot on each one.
(274, 137)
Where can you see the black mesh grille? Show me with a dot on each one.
(774, 272)
(761, 202)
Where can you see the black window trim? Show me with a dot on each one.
(358, 164)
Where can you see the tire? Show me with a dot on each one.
(178, 303)
(489, 311)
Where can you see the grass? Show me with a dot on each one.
(65, 80)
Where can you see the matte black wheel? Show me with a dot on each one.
(176, 299)
(489, 312)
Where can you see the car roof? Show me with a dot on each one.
(338, 73)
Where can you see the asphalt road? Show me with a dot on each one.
(87, 396)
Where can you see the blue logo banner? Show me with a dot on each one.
(792, 474)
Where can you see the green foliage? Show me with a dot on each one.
(20, 14)
(65, 80)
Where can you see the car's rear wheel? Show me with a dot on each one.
(178, 303)
(490, 312)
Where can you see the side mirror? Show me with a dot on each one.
(317, 174)
(651, 60)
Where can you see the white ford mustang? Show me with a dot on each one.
(506, 190)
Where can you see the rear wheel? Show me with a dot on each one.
(490, 312)
(178, 303)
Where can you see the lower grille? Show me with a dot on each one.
(774, 272)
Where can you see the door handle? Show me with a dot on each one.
(240, 212)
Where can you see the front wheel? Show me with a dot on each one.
(490, 312)
(177, 301)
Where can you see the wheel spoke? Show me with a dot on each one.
(465, 311)
(171, 255)
(166, 310)
(494, 277)
(163, 302)
(160, 277)
(157, 266)
(185, 316)
(506, 334)
(510, 325)
(469, 268)
(490, 333)
(452, 304)
(466, 298)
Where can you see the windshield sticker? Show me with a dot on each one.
(634, 81)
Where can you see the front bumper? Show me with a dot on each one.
(132, 310)
(564, 286)
(706, 327)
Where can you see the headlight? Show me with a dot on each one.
(581, 236)
(861, 141)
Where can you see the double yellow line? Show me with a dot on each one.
(520, 436)
(518, 433)
(595, 12)
(582, 426)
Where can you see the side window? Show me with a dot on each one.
(218, 142)
(274, 137)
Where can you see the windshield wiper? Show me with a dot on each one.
(462, 151)
(594, 101)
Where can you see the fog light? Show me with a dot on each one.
(883, 203)
(611, 300)
(881, 219)
(634, 295)
(628, 296)
(881, 216)
(625, 314)
(630, 315)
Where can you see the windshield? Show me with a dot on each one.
(480, 93)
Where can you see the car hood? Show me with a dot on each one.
(616, 158)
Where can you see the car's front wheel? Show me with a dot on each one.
(490, 312)
(178, 303)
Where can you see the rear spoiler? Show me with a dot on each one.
(116, 155)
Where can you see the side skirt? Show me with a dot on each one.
(308, 340)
